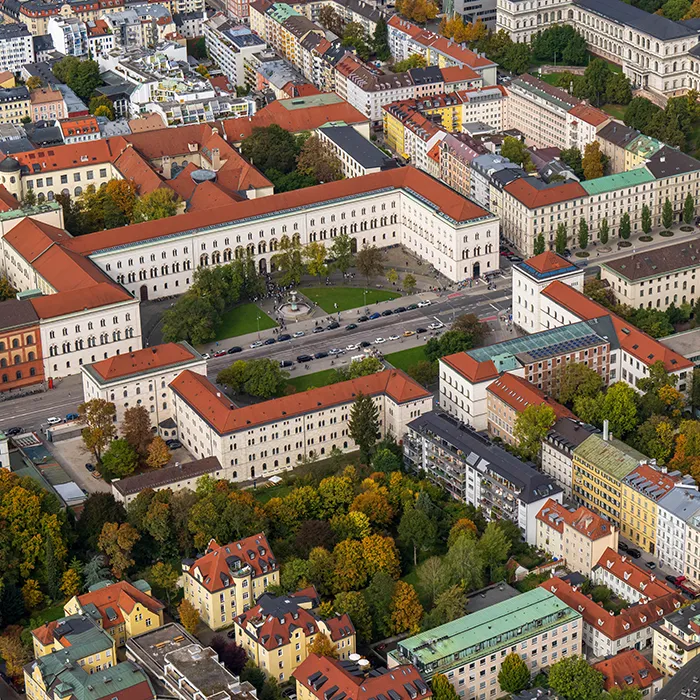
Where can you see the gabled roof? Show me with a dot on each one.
(627, 669)
(533, 195)
(472, 369)
(548, 262)
(217, 410)
(156, 357)
(519, 393)
(589, 114)
(626, 571)
(583, 520)
(110, 602)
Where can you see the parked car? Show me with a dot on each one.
(54, 420)
(351, 327)
(650, 565)
(387, 312)
(90, 467)
(362, 319)
(298, 334)
(175, 445)
(332, 325)
(436, 325)
(206, 356)
(634, 553)
(365, 344)
(335, 351)
(283, 337)
(623, 547)
(220, 353)
(319, 329)
(376, 314)
(411, 307)
(421, 330)
(425, 302)
(320, 355)
(256, 344)
(408, 334)
(72, 416)
(379, 341)
(393, 337)
(301, 359)
(235, 349)
(286, 363)
(14, 431)
(270, 341)
(351, 347)
(399, 309)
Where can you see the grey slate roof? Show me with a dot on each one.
(668, 162)
(16, 312)
(357, 147)
(619, 134)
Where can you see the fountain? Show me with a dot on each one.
(294, 309)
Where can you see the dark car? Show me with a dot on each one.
(650, 565)
(235, 349)
(411, 307)
(399, 309)
(365, 344)
(14, 431)
(270, 341)
(174, 444)
(72, 416)
(351, 327)
(635, 553)
(286, 363)
(672, 579)
(319, 329)
(376, 314)
(387, 312)
(320, 355)
(332, 326)
(623, 547)
(90, 467)
(362, 319)
(421, 330)
(284, 336)
(304, 358)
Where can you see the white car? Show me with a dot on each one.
(426, 302)
(379, 341)
(351, 347)
(256, 344)
(54, 420)
(334, 351)
(393, 337)
(436, 325)
(206, 355)
(298, 334)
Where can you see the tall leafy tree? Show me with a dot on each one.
(159, 204)
(271, 147)
(583, 234)
(315, 254)
(689, 209)
(604, 232)
(289, 260)
(442, 688)
(573, 678)
(493, 546)
(531, 427)
(364, 424)
(539, 244)
(318, 159)
(646, 219)
(406, 610)
(120, 460)
(592, 162)
(562, 239)
(116, 542)
(417, 531)
(514, 675)
(667, 214)
(380, 41)
(625, 227)
(369, 262)
(341, 252)
(596, 76)
(98, 417)
(136, 428)
(577, 379)
(98, 509)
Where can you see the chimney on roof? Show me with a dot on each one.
(606, 431)
(215, 159)
(167, 167)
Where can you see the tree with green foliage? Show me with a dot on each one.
(415, 60)
(493, 547)
(463, 563)
(7, 291)
(560, 44)
(416, 531)
(574, 679)
(515, 150)
(583, 234)
(158, 204)
(318, 159)
(379, 595)
(81, 75)
(354, 37)
(618, 89)
(424, 372)
(604, 232)
(96, 570)
(341, 252)
(369, 261)
(380, 40)
(640, 112)
(442, 688)
(689, 209)
(573, 157)
(619, 406)
(106, 103)
(354, 604)
(163, 577)
(539, 244)
(97, 415)
(676, 9)
(625, 227)
(193, 318)
(646, 219)
(315, 254)
(514, 675)
(363, 424)
(517, 59)
(120, 460)
(667, 214)
(409, 283)
(271, 147)
(577, 379)
(562, 239)
(289, 259)
(531, 427)
(596, 76)
(261, 377)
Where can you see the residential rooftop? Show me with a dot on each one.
(656, 262)
(612, 456)
(618, 181)
(349, 140)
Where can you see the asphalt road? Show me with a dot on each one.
(31, 412)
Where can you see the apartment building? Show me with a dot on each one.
(77, 638)
(469, 651)
(577, 536)
(15, 105)
(69, 36)
(21, 357)
(656, 278)
(630, 668)
(642, 489)
(47, 105)
(16, 47)
(278, 631)
(627, 580)
(557, 451)
(265, 439)
(508, 397)
(675, 510)
(457, 152)
(606, 634)
(677, 639)
(227, 579)
(178, 664)
(600, 464)
(141, 378)
(627, 148)
(357, 155)
(323, 678)
(486, 105)
(476, 471)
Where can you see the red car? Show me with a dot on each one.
(220, 353)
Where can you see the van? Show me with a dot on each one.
(357, 358)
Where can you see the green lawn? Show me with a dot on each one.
(315, 379)
(617, 111)
(263, 495)
(550, 78)
(406, 358)
(55, 612)
(345, 297)
(242, 319)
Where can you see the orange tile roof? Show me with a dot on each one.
(215, 408)
(358, 687)
(7, 201)
(97, 27)
(348, 65)
(532, 197)
(79, 125)
(654, 480)
(434, 152)
(155, 357)
(623, 568)
(209, 195)
(548, 262)
(589, 114)
(134, 167)
(618, 669)
(473, 370)
(222, 84)
(633, 341)
(146, 122)
(519, 393)
(76, 300)
(120, 597)
(583, 520)
(457, 74)
(448, 202)
(216, 564)
(629, 621)
(44, 95)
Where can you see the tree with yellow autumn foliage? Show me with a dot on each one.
(406, 610)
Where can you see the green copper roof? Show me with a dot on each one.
(497, 627)
(619, 181)
(644, 146)
(322, 100)
(281, 12)
(613, 456)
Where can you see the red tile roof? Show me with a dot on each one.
(120, 597)
(618, 669)
(532, 197)
(45, 95)
(79, 125)
(155, 357)
(222, 85)
(7, 201)
(474, 371)
(449, 202)
(71, 302)
(653, 480)
(589, 114)
(518, 393)
(458, 74)
(583, 520)
(633, 341)
(644, 582)
(629, 621)
(224, 417)
(548, 262)
(359, 687)
(97, 27)
(216, 564)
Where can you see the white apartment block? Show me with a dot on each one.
(69, 36)
(674, 511)
(557, 452)
(16, 47)
(486, 105)
(265, 439)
